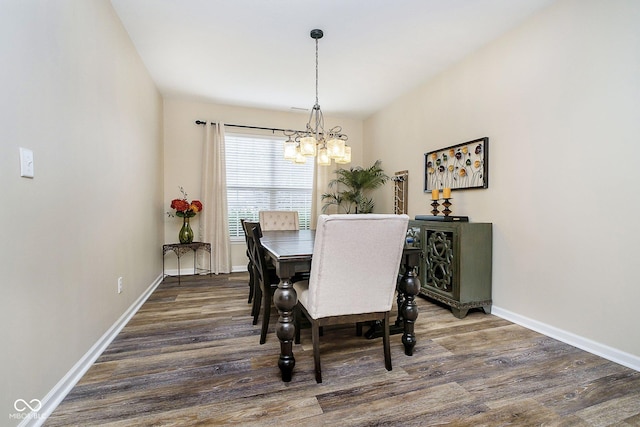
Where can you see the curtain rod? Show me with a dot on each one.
(200, 122)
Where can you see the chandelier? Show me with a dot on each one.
(315, 141)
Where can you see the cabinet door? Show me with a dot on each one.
(440, 261)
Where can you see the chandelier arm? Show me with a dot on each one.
(319, 125)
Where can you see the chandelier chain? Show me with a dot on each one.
(316, 71)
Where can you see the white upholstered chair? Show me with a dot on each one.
(353, 277)
(279, 220)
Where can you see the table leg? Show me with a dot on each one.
(285, 299)
(409, 288)
(178, 256)
(210, 262)
(401, 301)
(375, 328)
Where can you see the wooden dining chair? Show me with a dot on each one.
(246, 227)
(279, 220)
(266, 280)
(353, 277)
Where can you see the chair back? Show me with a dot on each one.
(258, 257)
(279, 220)
(247, 226)
(355, 264)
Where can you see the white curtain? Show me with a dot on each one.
(321, 177)
(214, 223)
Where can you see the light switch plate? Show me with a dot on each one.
(26, 163)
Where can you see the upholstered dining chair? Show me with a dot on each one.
(279, 220)
(353, 277)
(266, 280)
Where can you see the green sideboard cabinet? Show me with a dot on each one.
(455, 268)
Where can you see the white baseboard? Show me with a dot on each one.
(189, 271)
(609, 353)
(183, 272)
(64, 386)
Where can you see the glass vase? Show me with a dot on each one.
(186, 233)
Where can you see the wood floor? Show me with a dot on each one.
(191, 357)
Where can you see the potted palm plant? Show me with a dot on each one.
(352, 188)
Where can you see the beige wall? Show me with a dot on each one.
(75, 92)
(559, 99)
(183, 151)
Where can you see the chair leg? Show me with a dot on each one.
(251, 286)
(256, 295)
(266, 314)
(296, 321)
(315, 337)
(257, 299)
(385, 342)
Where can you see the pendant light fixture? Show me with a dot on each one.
(316, 141)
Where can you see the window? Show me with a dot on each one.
(258, 178)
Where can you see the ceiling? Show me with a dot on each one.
(258, 53)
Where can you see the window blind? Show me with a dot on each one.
(258, 178)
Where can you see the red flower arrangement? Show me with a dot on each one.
(183, 208)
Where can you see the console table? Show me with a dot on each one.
(182, 248)
(456, 263)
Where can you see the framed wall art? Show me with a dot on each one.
(461, 166)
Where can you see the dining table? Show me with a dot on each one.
(291, 253)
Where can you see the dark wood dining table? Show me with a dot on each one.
(291, 253)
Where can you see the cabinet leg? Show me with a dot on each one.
(486, 309)
(459, 313)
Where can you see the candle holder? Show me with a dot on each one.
(435, 205)
(446, 205)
